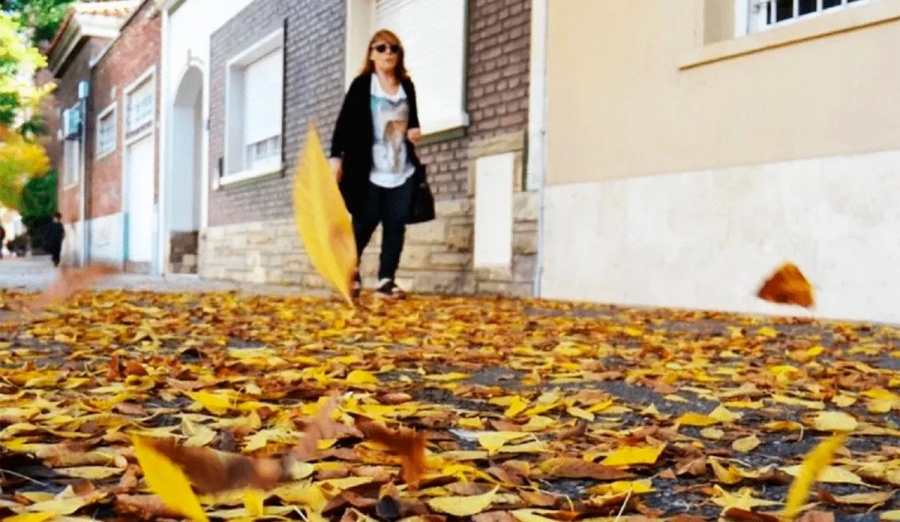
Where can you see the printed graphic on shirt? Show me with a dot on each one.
(390, 117)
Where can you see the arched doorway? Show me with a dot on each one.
(185, 170)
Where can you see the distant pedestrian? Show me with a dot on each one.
(2, 240)
(373, 154)
(54, 236)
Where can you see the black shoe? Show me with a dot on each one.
(356, 286)
(389, 290)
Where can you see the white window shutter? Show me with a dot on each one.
(263, 98)
(433, 33)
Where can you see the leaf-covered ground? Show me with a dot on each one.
(533, 410)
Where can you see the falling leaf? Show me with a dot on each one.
(463, 506)
(322, 217)
(409, 444)
(787, 286)
(815, 467)
(167, 480)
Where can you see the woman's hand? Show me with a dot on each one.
(337, 167)
(414, 135)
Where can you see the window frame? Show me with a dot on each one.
(147, 78)
(109, 114)
(234, 148)
(360, 23)
(750, 15)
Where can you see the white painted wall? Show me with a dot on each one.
(708, 239)
(185, 42)
(72, 243)
(106, 237)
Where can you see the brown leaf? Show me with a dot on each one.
(695, 467)
(668, 474)
(319, 427)
(787, 286)
(686, 518)
(539, 498)
(71, 281)
(577, 469)
(212, 471)
(817, 516)
(502, 425)
(134, 368)
(744, 515)
(130, 408)
(407, 443)
(394, 398)
(505, 476)
(494, 516)
(144, 506)
(574, 432)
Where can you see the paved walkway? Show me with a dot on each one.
(36, 273)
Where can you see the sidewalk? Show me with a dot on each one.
(37, 273)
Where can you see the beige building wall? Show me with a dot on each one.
(685, 162)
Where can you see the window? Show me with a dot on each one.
(71, 162)
(106, 131)
(434, 34)
(139, 109)
(254, 111)
(764, 14)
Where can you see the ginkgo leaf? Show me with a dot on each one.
(835, 421)
(633, 455)
(494, 440)
(168, 481)
(30, 517)
(90, 472)
(746, 444)
(322, 217)
(463, 506)
(815, 467)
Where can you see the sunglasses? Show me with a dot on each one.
(381, 48)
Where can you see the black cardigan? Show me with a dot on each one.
(354, 136)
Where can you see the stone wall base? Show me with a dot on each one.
(437, 257)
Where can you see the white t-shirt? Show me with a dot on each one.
(391, 166)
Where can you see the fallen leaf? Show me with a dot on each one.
(835, 421)
(787, 286)
(746, 444)
(463, 506)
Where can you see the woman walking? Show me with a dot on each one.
(373, 154)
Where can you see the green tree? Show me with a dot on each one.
(21, 157)
(42, 17)
(37, 205)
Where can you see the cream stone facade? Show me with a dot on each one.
(693, 146)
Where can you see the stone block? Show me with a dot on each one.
(525, 206)
(252, 259)
(493, 274)
(525, 243)
(427, 233)
(451, 260)
(189, 260)
(444, 282)
(237, 241)
(511, 142)
(215, 233)
(259, 238)
(523, 268)
(460, 238)
(454, 208)
(313, 281)
(516, 290)
(415, 257)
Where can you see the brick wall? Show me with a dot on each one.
(137, 49)
(66, 95)
(313, 89)
(497, 99)
(497, 89)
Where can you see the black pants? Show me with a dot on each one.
(54, 255)
(390, 207)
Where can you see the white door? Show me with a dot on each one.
(139, 201)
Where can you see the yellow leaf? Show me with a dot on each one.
(723, 414)
(463, 506)
(322, 217)
(742, 500)
(835, 421)
(253, 501)
(516, 406)
(696, 419)
(216, 404)
(728, 476)
(538, 423)
(30, 517)
(747, 405)
(90, 472)
(745, 444)
(305, 494)
(636, 487)
(575, 411)
(168, 481)
(814, 351)
(341, 484)
(632, 455)
(532, 515)
(494, 440)
(712, 433)
(790, 401)
(891, 515)
(61, 506)
(815, 466)
(197, 434)
(844, 401)
(362, 377)
(535, 446)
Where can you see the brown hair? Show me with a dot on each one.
(389, 38)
